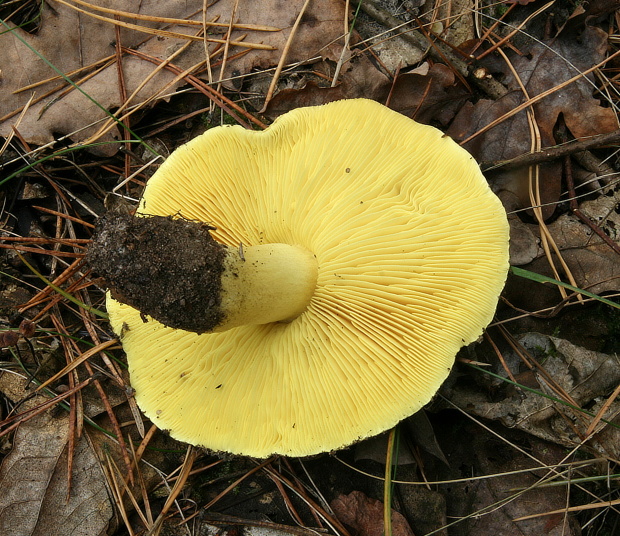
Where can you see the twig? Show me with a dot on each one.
(574, 206)
(57, 254)
(489, 85)
(553, 153)
(71, 241)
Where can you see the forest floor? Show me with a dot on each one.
(524, 436)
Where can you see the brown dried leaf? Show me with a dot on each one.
(542, 67)
(359, 78)
(428, 97)
(485, 454)
(33, 479)
(593, 263)
(310, 94)
(365, 515)
(375, 449)
(587, 376)
(87, 40)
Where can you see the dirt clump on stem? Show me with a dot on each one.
(169, 269)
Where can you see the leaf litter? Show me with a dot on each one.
(89, 58)
(542, 65)
(518, 449)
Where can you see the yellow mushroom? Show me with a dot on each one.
(364, 249)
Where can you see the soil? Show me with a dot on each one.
(167, 268)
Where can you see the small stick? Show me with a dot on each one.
(490, 86)
(577, 212)
(553, 153)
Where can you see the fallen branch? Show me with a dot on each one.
(553, 153)
(436, 50)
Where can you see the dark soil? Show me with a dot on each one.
(169, 269)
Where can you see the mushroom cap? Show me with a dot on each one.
(412, 249)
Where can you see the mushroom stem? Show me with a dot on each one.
(266, 283)
(175, 272)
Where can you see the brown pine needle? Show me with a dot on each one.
(166, 33)
(289, 41)
(169, 20)
(76, 362)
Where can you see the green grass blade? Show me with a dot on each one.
(532, 276)
(57, 154)
(60, 291)
(544, 395)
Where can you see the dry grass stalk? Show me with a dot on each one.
(186, 469)
(78, 361)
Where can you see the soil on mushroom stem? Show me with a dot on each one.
(167, 268)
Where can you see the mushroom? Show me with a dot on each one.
(358, 251)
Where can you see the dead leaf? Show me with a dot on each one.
(311, 94)
(541, 67)
(587, 376)
(26, 58)
(416, 431)
(524, 243)
(359, 78)
(375, 449)
(430, 97)
(499, 500)
(420, 430)
(591, 12)
(33, 479)
(365, 515)
(593, 263)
